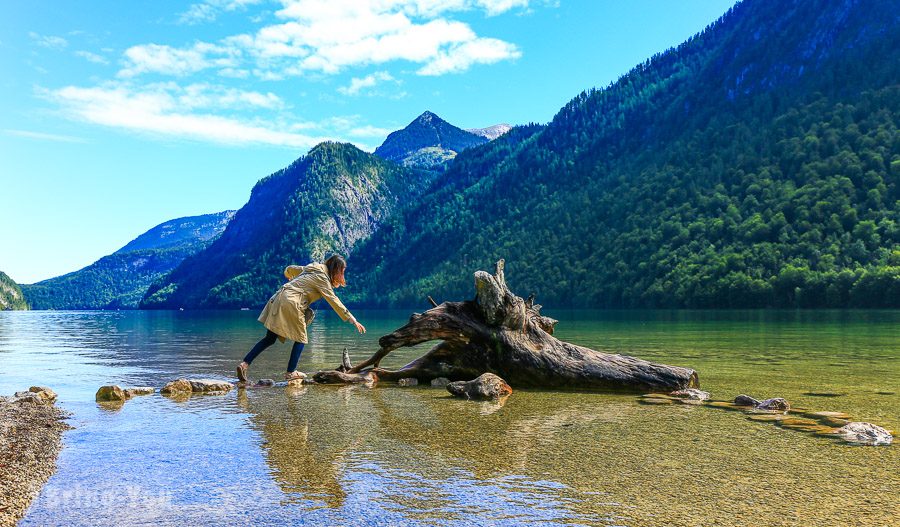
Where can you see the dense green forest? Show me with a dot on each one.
(120, 280)
(755, 165)
(11, 297)
(326, 201)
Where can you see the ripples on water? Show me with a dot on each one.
(325, 455)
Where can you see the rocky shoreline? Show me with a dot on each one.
(31, 428)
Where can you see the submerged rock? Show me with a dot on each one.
(777, 404)
(834, 421)
(139, 390)
(745, 400)
(657, 396)
(210, 386)
(774, 404)
(865, 434)
(440, 382)
(265, 383)
(408, 381)
(486, 386)
(822, 415)
(725, 405)
(110, 393)
(691, 393)
(654, 400)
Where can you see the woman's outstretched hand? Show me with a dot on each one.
(359, 327)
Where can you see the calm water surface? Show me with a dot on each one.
(326, 455)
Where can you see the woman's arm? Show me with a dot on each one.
(338, 306)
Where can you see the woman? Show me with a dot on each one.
(287, 313)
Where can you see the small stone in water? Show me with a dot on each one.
(138, 390)
(110, 393)
(265, 382)
(776, 403)
(865, 434)
(440, 382)
(745, 400)
(691, 393)
(408, 381)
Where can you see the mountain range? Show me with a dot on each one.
(754, 165)
(121, 279)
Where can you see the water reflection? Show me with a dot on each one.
(325, 455)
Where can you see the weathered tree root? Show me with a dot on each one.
(501, 333)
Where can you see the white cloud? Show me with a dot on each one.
(357, 84)
(92, 57)
(170, 110)
(328, 36)
(44, 136)
(461, 57)
(51, 42)
(209, 10)
(156, 58)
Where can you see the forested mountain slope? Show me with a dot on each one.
(11, 297)
(327, 201)
(120, 280)
(755, 165)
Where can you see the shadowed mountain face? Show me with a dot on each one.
(754, 165)
(121, 279)
(427, 142)
(11, 297)
(180, 231)
(327, 201)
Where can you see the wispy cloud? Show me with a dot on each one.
(156, 58)
(172, 111)
(92, 57)
(42, 136)
(48, 41)
(358, 84)
(203, 112)
(209, 10)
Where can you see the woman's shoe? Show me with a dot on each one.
(242, 373)
(294, 376)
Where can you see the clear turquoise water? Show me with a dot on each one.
(327, 455)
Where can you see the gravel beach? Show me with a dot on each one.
(31, 428)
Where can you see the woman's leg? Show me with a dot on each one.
(295, 356)
(266, 341)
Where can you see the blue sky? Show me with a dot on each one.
(117, 116)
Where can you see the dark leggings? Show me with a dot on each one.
(267, 341)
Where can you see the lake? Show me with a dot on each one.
(351, 455)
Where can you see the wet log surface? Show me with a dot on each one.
(501, 333)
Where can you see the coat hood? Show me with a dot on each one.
(316, 268)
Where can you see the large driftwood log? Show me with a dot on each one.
(501, 333)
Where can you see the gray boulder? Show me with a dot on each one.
(865, 434)
(487, 386)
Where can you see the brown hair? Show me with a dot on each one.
(335, 264)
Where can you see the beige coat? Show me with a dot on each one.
(287, 313)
